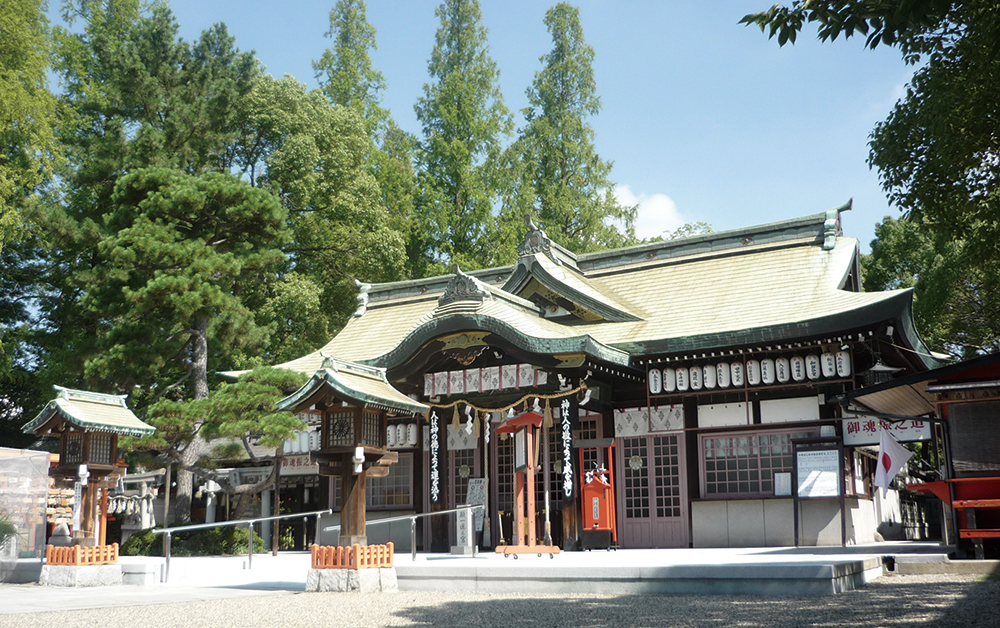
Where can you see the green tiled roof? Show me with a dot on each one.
(767, 283)
(364, 385)
(91, 412)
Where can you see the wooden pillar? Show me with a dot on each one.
(104, 517)
(517, 526)
(352, 506)
(530, 480)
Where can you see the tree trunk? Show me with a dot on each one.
(198, 368)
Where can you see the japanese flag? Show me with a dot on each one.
(892, 458)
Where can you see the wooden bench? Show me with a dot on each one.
(971, 531)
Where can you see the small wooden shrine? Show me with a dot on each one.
(88, 425)
(355, 402)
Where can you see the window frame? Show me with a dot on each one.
(755, 446)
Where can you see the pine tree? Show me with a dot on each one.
(464, 122)
(568, 185)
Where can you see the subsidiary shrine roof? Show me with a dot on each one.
(795, 279)
(364, 385)
(88, 412)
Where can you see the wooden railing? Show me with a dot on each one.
(79, 555)
(355, 557)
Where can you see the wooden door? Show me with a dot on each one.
(651, 491)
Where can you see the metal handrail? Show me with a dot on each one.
(167, 532)
(413, 525)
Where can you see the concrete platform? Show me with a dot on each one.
(773, 572)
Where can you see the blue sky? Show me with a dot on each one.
(705, 119)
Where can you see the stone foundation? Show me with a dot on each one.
(352, 580)
(80, 575)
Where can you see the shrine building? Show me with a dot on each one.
(698, 365)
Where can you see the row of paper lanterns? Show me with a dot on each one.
(401, 435)
(766, 371)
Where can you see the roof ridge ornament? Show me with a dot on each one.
(363, 289)
(536, 241)
(832, 228)
(463, 287)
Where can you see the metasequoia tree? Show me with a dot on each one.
(348, 79)
(569, 185)
(464, 122)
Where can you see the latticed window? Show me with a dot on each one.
(394, 490)
(505, 474)
(668, 482)
(372, 432)
(100, 449)
(463, 468)
(636, 479)
(340, 428)
(744, 464)
(74, 449)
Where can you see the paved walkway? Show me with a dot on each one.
(199, 579)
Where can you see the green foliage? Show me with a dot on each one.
(569, 185)
(218, 541)
(8, 530)
(936, 155)
(956, 299)
(181, 248)
(937, 151)
(345, 73)
(245, 409)
(464, 120)
(887, 22)
(28, 112)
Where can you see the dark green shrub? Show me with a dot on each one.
(221, 541)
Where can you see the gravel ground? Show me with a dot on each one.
(938, 600)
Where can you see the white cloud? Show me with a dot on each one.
(656, 214)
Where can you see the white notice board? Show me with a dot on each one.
(818, 472)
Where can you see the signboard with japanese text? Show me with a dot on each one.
(818, 472)
(298, 465)
(865, 430)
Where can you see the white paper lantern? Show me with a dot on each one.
(695, 378)
(682, 379)
(708, 375)
(390, 436)
(798, 367)
(829, 365)
(411, 434)
(655, 383)
(843, 363)
(812, 366)
(753, 372)
(736, 373)
(400, 434)
(669, 380)
(722, 374)
(781, 370)
(767, 371)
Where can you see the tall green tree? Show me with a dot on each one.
(315, 158)
(348, 78)
(27, 110)
(571, 192)
(956, 300)
(464, 124)
(937, 151)
(150, 238)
